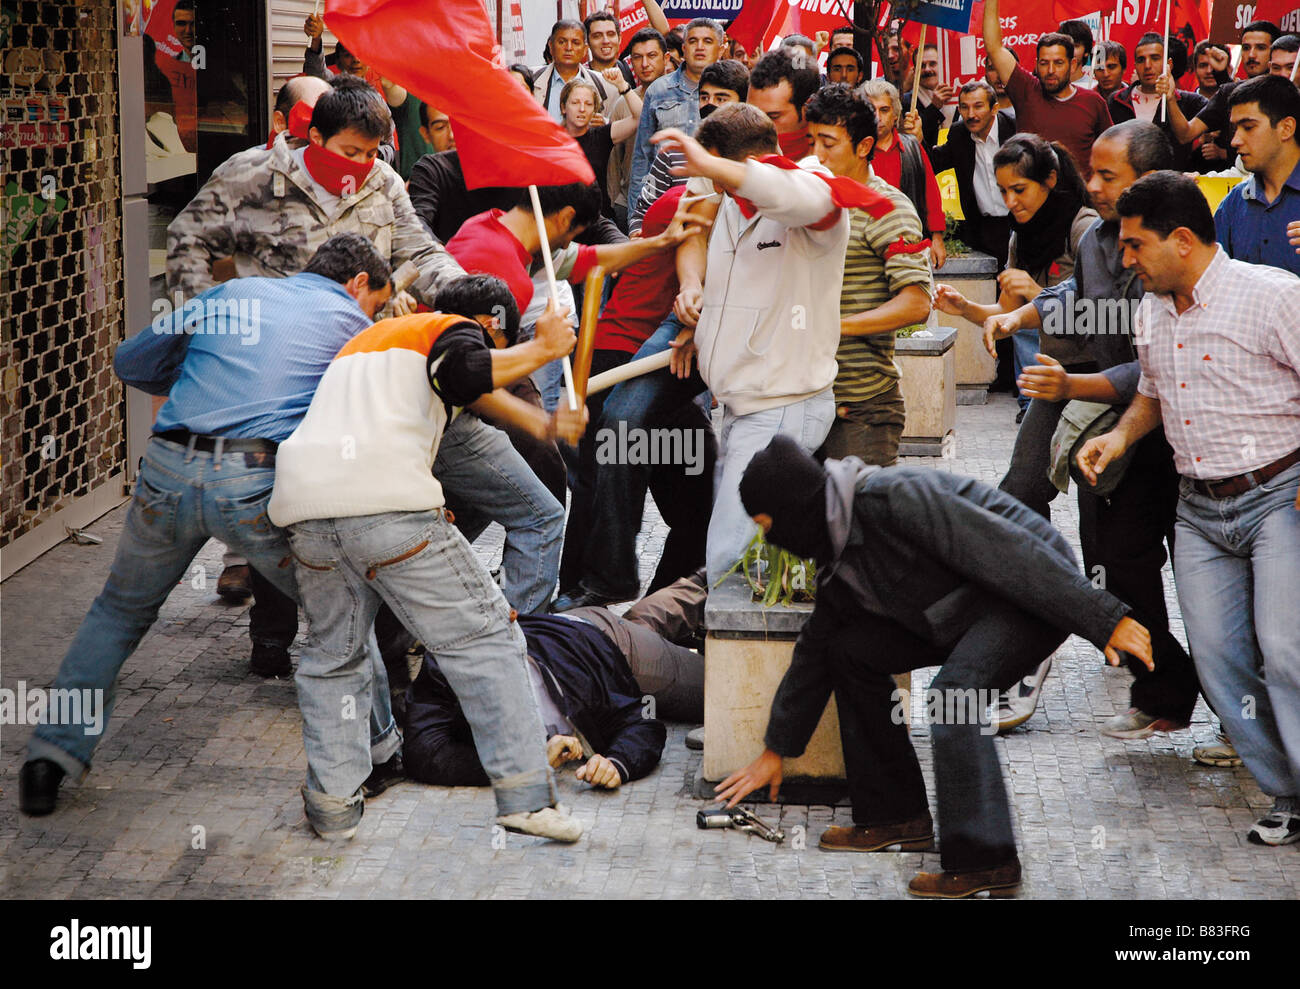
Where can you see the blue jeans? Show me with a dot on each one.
(487, 480)
(181, 501)
(549, 379)
(1237, 567)
(424, 569)
(1024, 344)
(617, 502)
(807, 422)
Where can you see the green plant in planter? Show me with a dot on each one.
(954, 244)
(773, 574)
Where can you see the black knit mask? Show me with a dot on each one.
(783, 481)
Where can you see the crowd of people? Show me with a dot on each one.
(772, 230)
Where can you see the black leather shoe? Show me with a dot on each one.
(38, 786)
(383, 776)
(270, 660)
(582, 598)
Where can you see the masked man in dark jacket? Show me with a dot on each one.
(918, 567)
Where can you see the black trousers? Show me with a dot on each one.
(583, 476)
(273, 620)
(1026, 478)
(1002, 645)
(1124, 539)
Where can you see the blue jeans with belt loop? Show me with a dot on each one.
(420, 564)
(182, 498)
(1237, 566)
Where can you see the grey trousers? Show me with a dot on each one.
(650, 635)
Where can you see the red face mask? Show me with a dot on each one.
(337, 175)
(795, 144)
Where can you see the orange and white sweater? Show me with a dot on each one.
(368, 441)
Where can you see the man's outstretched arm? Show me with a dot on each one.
(1002, 59)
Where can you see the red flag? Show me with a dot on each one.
(631, 19)
(751, 25)
(445, 53)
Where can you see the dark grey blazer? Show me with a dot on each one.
(926, 548)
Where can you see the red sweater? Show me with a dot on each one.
(645, 292)
(1076, 122)
(888, 165)
(483, 245)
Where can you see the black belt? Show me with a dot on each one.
(1228, 486)
(208, 444)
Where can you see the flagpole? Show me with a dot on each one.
(1164, 47)
(555, 292)
(916, 80)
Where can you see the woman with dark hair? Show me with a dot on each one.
(524, 75)
(1050, 211)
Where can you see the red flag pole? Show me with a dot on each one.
(555, 292)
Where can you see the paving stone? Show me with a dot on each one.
(1095, 817)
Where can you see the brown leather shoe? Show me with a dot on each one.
(235, 584)
(909, 836)
(1003, 880)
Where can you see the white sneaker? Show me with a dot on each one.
(1016, 705)
(550, 822)
(1280, 827)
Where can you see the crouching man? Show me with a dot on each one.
(355, 487)
(917, 567)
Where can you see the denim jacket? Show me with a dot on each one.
(671, 101)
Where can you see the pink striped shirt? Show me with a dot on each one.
(1227, 371)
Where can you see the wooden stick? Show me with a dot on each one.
(916, 80)
(555, 292)
(591, 292)
(633, 369)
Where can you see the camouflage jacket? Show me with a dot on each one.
(260, 207)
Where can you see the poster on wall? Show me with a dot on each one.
(169, 54)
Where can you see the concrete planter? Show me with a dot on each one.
(929, 385)
(746, 653)
(974, 275)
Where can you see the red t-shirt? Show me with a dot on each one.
(645, 291)
(484, 246)
(888, 166)
(1076, 122)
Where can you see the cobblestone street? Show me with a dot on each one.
(194, 791)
